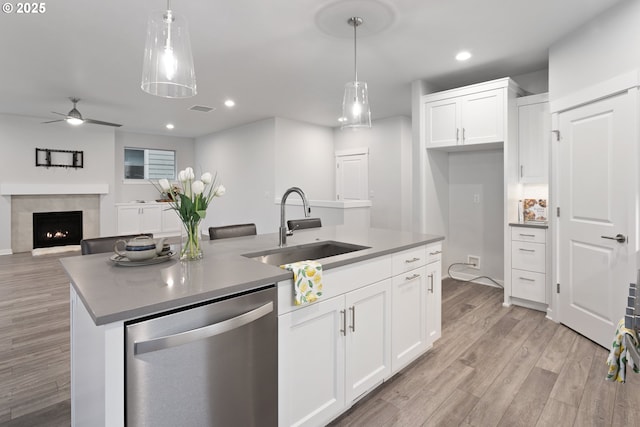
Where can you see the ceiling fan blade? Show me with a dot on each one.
(60, 114)
(53, 121)
(98, 122)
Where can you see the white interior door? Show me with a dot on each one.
(352, 176)
(597, 189)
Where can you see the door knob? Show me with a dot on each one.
(619, 238)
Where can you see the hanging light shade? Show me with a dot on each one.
(167, 69)
(355, 103)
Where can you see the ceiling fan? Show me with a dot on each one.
(74, 117)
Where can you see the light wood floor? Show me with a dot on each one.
(34, 341)
(497, 366)
(492, 366)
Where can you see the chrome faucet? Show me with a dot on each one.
(307, 211)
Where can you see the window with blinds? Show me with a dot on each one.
(144, 163)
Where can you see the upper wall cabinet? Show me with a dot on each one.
(469, 116)
(534, 133)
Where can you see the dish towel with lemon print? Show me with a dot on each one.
(623, 350)
(307, 280)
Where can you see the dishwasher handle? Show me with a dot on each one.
(186, 337)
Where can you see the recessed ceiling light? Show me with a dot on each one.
(463, 56)
(229, 103)
(170, 126)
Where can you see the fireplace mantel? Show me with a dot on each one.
(8, 189)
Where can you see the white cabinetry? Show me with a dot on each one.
(466, 116)
(416, 303)
(375, 317)
(534, 133)
(157, 218)
(311, 363)
(528, 264)
(171, 224)
(368, 335)
(434, 293)
(333, 352)
(409, 307)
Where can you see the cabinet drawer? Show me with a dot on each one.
(528, 256)
(528, 234)
(434, 253)
(528, 285)
(408, 260)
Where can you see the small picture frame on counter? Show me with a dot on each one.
(534, 210)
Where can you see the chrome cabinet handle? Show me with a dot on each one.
(463, 136)
(620, 238)
(526, 279)
(413, 276)
(408, 261)
(353, 318)
(343, 330)
(435, 253)
(521, 169)
(431, 280)
(457, 133)
(208, 331)
(527, 235)
(526, 250)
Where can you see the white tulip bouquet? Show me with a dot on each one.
(190, 203)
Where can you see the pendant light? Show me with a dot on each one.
(355, 104)
(167, 69)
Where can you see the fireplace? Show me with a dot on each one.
(56, 229)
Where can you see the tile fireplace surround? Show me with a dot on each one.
(25, 199)
(23, 207)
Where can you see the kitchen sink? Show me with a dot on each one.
(311, 251)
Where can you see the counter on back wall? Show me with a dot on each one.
(355, 213)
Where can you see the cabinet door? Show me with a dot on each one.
(151, 219)
(441, 123)
(408, 317)
(434, 302)
(534, 131)
(368, 347)
(482, 117)
(128, 219)
(171, 223)
(311, 365)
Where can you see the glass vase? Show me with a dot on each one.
(191, 241)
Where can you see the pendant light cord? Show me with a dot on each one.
(355, 49)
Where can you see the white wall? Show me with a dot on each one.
(600, 50)
(597, 52)
(259, 161)
(390, 183)
(476, 199)
(144, 190)
(304, 157)
(244, 158)
(20, 136)
(534, 82)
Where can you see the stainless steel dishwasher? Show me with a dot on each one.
(215, 364)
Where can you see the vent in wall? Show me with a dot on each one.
(201, 108)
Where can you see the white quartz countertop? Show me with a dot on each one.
(113, 293)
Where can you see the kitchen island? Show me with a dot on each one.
(104, 297)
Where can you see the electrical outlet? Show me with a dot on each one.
(475, 260)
